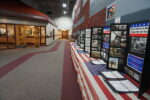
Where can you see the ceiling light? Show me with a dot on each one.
(64, 12)
(64, 5)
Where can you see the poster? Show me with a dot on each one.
(106, 30)
(106, 45)
(111, 10)
(135, 62)
(139, 30)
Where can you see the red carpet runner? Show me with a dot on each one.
(12, 65)
(70, 88)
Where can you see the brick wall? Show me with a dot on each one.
(97, 20)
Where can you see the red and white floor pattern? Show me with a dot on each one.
(93, 87)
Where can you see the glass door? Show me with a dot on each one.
(37, 36)
(20, 36)
(3, 36)
(43, 36)
(11, 36)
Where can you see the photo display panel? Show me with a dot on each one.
(105, 43)
(87, 40)
(138, 36)
(117, 46)
(78, 38)
(96, 42)
(82, 42)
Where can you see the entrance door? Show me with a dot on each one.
(11, 36)
(3, 36)
(20, 35)
(37, 36)
(64, 34)
(43, 36)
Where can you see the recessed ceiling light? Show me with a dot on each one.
(64, 12)
(64, 5)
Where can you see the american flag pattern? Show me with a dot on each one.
(93, 86)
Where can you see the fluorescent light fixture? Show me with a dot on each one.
(64, 5)
(64, 12)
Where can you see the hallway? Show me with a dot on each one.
(38, 74)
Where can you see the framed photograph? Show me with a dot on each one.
(116, 52)
(113, 63)
(138, 44)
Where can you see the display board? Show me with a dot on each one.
(82, 39)
(96, 42)
(137, 47)
(105, 43)
(138, 54)
(118, 44)
(87, 40)
(78, 38)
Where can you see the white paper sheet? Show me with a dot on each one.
(112, 74)
(124, 86)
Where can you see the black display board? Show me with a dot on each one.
(138, 54)
(87, 40)
(78, 38)
(118, 44)
(96, 37)
(82, 39)
(105, 43)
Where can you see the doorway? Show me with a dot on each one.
(65, 34)
(7, 36)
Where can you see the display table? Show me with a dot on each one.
(92, 85)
